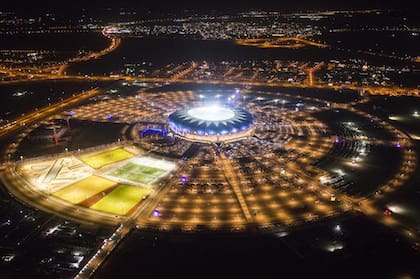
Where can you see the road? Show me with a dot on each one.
(115, 43)
(368, 207)
(59, 72)
(279, 42)
(142, 212)
(47, 111)
(372, 90)
(234, 182)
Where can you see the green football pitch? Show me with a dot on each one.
(106, 158)
(121, 200)
(84, 189)
(137, 173)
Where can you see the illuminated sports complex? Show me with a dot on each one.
(212, 124)
(268, 159)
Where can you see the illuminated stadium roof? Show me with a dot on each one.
(211, 123)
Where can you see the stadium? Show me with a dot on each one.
(211, 124)
(267, 159)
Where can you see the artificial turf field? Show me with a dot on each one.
(106, 158)
(137, 173)
(84, 189)
(121, 200)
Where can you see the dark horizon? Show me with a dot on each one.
(204, 6)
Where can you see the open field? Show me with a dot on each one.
(121, 200)
(84, 189)
(106, 158)
(143, 170)
(137, 173)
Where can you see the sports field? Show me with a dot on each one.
(137, 173)
(105, 158)
(121, 200)
(84, 189)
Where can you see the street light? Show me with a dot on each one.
(337, 228)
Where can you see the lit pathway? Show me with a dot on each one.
(143, 212)
(185, 72)
(104, 251)
(234, 182)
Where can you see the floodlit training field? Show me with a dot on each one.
(84, 189)
(115, 190)
(137, 173)
(121, 200)
(106, 158)
(143, 170)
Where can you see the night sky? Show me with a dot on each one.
(27, 6)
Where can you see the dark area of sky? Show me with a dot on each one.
(202, 5)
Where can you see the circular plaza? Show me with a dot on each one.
(173, 160)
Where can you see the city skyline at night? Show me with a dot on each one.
(241, 139)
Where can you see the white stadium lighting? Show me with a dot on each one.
(212, 124)
(211, 113)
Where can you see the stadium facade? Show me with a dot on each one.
(212, 124)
